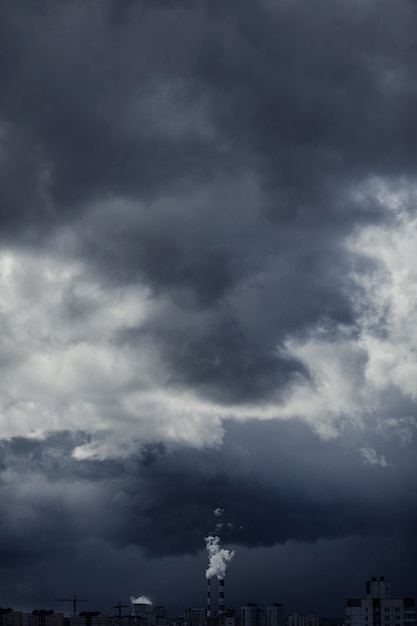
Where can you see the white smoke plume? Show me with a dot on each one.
(219, 525)
(140, 600)
(218, 557)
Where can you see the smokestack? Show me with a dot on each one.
(221, 595)
(208, 598)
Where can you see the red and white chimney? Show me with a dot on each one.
(221, 595)
(208, 598)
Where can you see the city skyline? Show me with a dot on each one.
(81, 605)
(208, 300)
(391, 610)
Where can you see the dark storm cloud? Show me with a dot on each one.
(246, 271)
(306, 95)
(299, 93)
(292, 497)
(277, 477)
(89, 94)
(322, 92)
(278, 485)
(38, 516)
(104, 102)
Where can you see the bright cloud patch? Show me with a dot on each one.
(350, 375)
(69, 364)
(67, 368)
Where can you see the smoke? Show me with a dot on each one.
(219, 525)
(218, 557)
(140, 600)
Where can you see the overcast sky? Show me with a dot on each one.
(208, 298)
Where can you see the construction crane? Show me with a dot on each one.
(120, 606)
(74, 601)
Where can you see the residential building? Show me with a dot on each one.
(194, 617)
(90, 618)
(252, 615)
(8, 617)
(43, 617)
(378, 608)
(275, 614)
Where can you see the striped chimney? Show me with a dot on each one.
(221, 595)
(208, 598)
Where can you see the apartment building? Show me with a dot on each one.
(378, 608)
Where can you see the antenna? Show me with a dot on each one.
(74, 601)
(120, 606)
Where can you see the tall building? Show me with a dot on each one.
(142, 614)
(194, 617)
(275, 614)
(378, 608)
(227, 618)
(252, 615)
(8, 617)
(378, 588)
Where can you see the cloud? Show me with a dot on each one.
(106, 358)
(207, 286)
(140, 600)
(370, 456)
(66, 368)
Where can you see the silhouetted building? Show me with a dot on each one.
(90, 618)
(141, 615)
(8, 617)
(378, 608)
(275, 614)
(227, 618)
(194, 617)
(43, 617)
(252, 615)
(303, 620)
